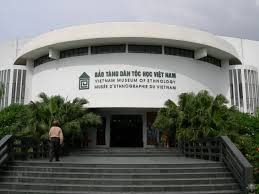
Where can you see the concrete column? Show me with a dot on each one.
(28, 84)
(200, 53)
(225, 63)
(144, 119)
(127, 48)
(29, 62)
(54, 54)
(108, 130)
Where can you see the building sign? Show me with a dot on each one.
(152, 80)
(84, 81)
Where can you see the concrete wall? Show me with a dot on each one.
(62, 77)
(7, 54)
(247, 50)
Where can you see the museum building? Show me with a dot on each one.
(127, 70)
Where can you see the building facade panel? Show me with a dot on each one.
(128, 80)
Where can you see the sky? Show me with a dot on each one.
(26, 18)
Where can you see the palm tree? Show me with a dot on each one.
(196, 116)
(74, 117)
(168, 120)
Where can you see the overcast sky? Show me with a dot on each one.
(24, 18)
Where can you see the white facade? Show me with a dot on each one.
(151, 63)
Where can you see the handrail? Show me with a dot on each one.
(4, 148)
(224, 150)
(236, 162)
(22, 148)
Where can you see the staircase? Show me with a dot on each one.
(96, 172)
(128, 152)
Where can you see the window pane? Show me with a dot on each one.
(74, 52)
(23, 86)
(231, 87)
(18, 86)
(105, 49)
(212, 60)
(179, 52)
(7, 87)
(236, 89)
(41, 60)
(14, 85)
(240, 88)
(145, 49)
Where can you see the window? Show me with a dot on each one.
(236, 89)
(254, 89)
(212, 60)
(23, 86)
(240, 88)
(144, 49)
(3, 81)
(74, 52)
(179, 52)
(41, 60)
(14, 85)
(233, 62)
(251, 88)
(7, 87)
(246, 86)
(105, 49)
(231, 87)
(18, 90)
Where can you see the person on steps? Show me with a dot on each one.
(56, 139)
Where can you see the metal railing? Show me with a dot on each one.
(5, 148)
(224, 150)
(22, 148)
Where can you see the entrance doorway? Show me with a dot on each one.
(126, 131)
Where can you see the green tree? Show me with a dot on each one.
(74, 117)
(196, 116)
(13, 119)
(168, 119)
(203, 115)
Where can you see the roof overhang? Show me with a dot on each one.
(126, 32)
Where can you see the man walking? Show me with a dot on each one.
(56, 139)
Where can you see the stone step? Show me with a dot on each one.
(21, 191)
(101, 181)
(69, 164)
(127, 150)
(116, 170)
(126, 155)
(118, 188)
(117, 175)
(139, 173)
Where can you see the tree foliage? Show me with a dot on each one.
(13, 119)
(195, 117)
(35, 119)
(74, 117)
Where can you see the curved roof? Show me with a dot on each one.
(126, 32)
